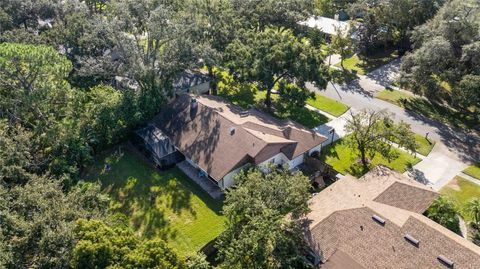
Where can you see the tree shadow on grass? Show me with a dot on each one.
(302, 115)
(151, 199)
(440, 112)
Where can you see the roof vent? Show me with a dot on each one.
(231, 130)
(446, 261)
(412, 240)
(378, 219)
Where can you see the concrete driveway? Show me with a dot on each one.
(455, 148)
(437, 169)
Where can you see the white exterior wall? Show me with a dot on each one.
(295, 162)
(278, 159)
(228, 179)
(282, 159)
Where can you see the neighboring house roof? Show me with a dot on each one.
(342, 220)
(326, 25)
(189, 79)
(220, 137)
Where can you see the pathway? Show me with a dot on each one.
(213, 190)
(455, 148)
(469, 178)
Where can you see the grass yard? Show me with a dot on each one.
(331, 106)
(369, 64)
(395, 97)
(424, 146)
(345, 160)
(435, 111)
(164, 204)
(473, 171)
(252, 97)
(302, 115)
(460, 191)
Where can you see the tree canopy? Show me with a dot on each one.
(258, 235)
(373, 132)
(446, 57)
(104, 246)
(273, 55)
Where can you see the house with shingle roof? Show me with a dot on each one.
(376, 221)
(220, 139)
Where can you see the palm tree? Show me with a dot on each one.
(473, 207)
(444, 213)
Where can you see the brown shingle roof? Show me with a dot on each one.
(406, 197)
(221, 137)
(347, 224)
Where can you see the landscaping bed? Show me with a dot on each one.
(460, 191)
(159, 204)
(346, 160)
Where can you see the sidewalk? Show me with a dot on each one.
(455, 148)
(338, 124)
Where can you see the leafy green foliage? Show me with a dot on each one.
(103, 246)
(473, 207)
(293, 96)
(344, 159)
(371, 131)
(258, 233)
(38, 220)
(272, 55)
(260, 14)
(197, 261)
(444, 213)
(342, 44)
(447, 54)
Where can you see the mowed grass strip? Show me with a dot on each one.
(473, 171)
(160, 204)
(331, 106)
(346, 160)
(461, 191)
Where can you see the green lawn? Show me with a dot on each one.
(302, 115)
(369, 64)
(164, 204)
(461, 190)
(424, 146)
(395, 97)
(435, 111)
(473, 170)
(332, 107)
(345, 160)
(249, 96)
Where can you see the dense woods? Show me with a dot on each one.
(64, 67)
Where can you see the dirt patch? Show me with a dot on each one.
(453, 184)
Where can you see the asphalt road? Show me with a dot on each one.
(455, 144)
